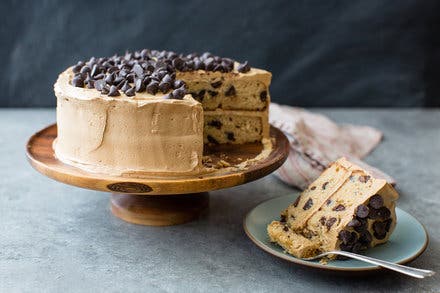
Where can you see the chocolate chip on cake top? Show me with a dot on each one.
(148, 70)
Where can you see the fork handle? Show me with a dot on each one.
(413, 272)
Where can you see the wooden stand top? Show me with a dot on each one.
(41, 156)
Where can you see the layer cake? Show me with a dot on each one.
(153, 111)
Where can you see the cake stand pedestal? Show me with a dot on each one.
(162, 200)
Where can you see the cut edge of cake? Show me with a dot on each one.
(339, 220)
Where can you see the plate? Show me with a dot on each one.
(407, 242)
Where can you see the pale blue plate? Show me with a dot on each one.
(407, 242)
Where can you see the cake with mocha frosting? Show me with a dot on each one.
(153, 111)
(344, 209)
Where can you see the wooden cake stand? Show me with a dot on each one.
(161, 201)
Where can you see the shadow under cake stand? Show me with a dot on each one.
(161, 200)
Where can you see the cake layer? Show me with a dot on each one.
(292, 242)
(230, 90)
(353, 212)
(234, 127)
(312, 198)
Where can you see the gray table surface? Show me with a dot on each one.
(58, 238)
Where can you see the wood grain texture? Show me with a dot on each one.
(41, 156)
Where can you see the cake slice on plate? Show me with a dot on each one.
(344, 209)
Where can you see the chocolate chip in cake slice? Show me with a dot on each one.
(308, 204)
(362, 211)
(345, 247)
(263, 96)
(283, 218)
(230, 136)
(324, 185)
(285, 228)
(388, 224)
(339, 207)
(330, 222)
(382, 213)
(212, 140)
(244, 67)
(215, 123)
(230, 91)
(347, 237)
(113, 92)
(376, 201)
(328, 202)
(295, 204)
(212, 93)
(364, 178)
(379, 230)
(313, 188)
(201, 95)
(357, 247)
(365, 238)
(322, 220)
(354, 223)
(216, 84)
(363, 225)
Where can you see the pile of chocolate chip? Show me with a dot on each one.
(150, 71)
(376, 211)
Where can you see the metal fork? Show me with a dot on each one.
(413, 272)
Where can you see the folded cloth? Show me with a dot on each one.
(316, 141)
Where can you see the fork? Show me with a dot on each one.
(413, 272)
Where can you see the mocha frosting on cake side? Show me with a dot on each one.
(120, 135)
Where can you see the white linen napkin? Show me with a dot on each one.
(316, 141)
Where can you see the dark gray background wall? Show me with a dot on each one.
(321, 53)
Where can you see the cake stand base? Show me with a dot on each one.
(162, 210)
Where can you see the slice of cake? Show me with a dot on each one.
(344, 209)
(152, 111)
